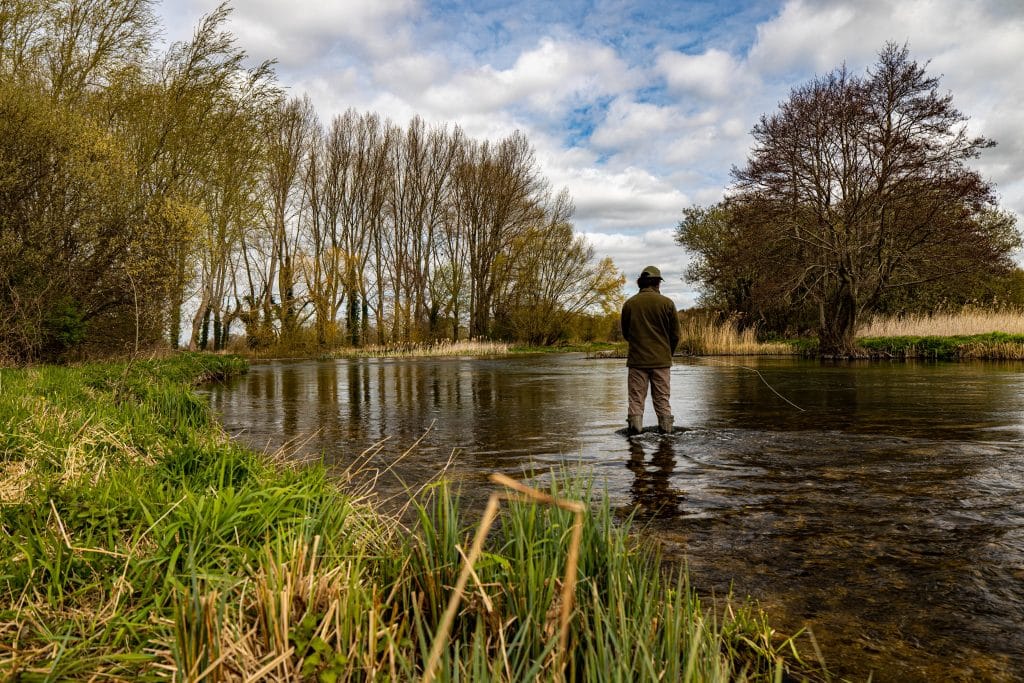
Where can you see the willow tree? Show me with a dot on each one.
(211, 154)
(73, 231)
(860, 185)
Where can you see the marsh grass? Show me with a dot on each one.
(968, 322)
(139, 543)
(593, 349)
(705, 335)
(307, 348)
(439, 349)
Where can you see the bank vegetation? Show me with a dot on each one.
(139, 543)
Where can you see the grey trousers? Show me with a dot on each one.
(660, 381)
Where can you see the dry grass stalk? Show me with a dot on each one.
(14, 481)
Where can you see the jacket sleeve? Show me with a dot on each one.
(673, 327)
(624, 322)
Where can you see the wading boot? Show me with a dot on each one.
(665, 424)
(635, 424)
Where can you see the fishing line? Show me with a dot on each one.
(756, 372)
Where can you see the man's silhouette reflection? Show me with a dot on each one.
(653, 497)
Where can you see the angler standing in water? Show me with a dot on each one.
(651, 326)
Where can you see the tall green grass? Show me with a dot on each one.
(138, 543)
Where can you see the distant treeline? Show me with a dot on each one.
(148, 197)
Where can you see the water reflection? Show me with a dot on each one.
(886, 511)
(652, 492)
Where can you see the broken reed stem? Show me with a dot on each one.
(486, 522)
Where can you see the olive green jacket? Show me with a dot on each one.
(651, 326)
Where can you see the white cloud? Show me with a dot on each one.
(630, 123)
(411, 74)
(634, 251)
(544, 79)
(808, 36)
(714, 74)
(628, 198)
(300, 30)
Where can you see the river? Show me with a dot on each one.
(879, 504)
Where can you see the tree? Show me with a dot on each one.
(288, 134)
(140, 190)
(857, 187)
(421, 163)
(498, 196)
(553, 279)
(64, 226)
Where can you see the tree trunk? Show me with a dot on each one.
(175, 327)
(352, 318)
(204, 336)
(217, 339)
(225, 332)
(838, 325)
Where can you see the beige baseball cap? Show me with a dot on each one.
(651, 272)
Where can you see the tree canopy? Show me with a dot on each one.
(857, 188)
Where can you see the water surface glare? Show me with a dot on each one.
(887, 515)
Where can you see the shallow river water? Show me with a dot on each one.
(879, 504)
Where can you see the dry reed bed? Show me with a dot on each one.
(441, 349)
(705, 336)
(445, 348)
(969, 334)
(964, 323)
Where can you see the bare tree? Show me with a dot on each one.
(499, 195)
(860, 185)
(421, 161)
(286, 147)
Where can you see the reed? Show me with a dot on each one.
(966, 334)
(705, 335)
(139, 543)
(967, 322)
(439, 349)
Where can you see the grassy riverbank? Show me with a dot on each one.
(139, 543)
(990, 346)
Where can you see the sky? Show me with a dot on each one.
(640, 108)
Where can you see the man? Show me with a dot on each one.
(651, 326)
